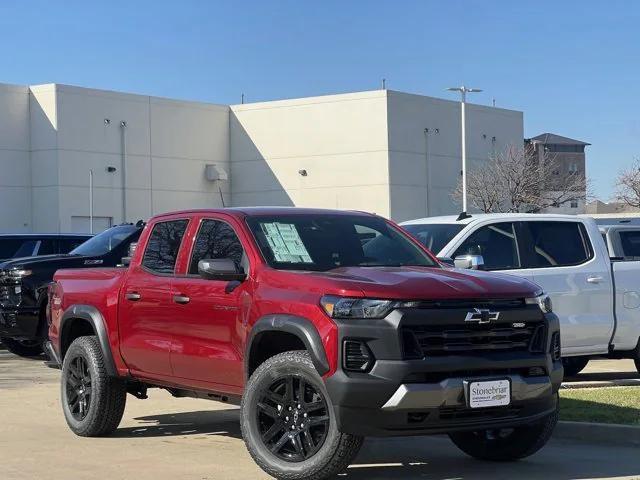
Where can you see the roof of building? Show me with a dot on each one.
(553, 139)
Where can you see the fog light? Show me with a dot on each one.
(356, 356)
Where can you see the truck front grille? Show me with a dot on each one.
(4, 294)
(437, 340)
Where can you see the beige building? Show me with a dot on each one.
(392, 153)
(569, 160)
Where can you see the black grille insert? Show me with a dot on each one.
(438, 340)
(460, 413)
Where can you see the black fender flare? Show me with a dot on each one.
(92, 315)
(298, 326)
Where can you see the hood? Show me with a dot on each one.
(44, 261)
(416, 283)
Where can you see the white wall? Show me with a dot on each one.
(364, 151)
(421, 183)
(167, 145)
(15, 169)
(340, 140)
(45, 192)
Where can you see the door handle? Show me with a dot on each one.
(133, 296)
(596, 279)
(181, 299)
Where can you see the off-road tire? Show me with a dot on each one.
(108, 394)
(574, 365)
(338, 449)
(21, 348)
(522, 442)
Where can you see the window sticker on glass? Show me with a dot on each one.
(285, 242)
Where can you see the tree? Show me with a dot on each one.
(521, 180)
(628, 185)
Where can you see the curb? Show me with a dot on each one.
(623, 435)
(627, 382)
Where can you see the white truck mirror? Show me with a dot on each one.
(470, 262)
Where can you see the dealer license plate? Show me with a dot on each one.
(490, 393)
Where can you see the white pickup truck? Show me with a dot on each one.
(596, 295)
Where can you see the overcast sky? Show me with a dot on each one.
(572, 67)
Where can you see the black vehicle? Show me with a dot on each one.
(18, 245)
(24, 282)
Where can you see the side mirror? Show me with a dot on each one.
(448, 261)
(220, 269)
(471, 262)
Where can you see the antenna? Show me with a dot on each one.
(221, 196)
(242, 98)
(384, 83)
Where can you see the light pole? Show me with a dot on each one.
(91, 201)
(463, 91)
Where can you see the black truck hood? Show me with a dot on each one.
(50, 261)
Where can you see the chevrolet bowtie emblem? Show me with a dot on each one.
(481, 315)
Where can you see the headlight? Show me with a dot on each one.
(343, 307)
(13, 274)
(543, 301)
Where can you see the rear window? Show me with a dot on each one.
(630, 242)
(434, 236)
(557, 244)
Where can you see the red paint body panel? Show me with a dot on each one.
(202, 344)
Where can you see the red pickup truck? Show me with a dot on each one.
(325, 327)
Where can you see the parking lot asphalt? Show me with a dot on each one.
(167, 438)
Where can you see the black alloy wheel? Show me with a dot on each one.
(293, 418)
(79, 388)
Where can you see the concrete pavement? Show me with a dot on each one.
(166, 438)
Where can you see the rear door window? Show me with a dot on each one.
(497, 243)
(163, 246)
(557, 244)
(630, 242)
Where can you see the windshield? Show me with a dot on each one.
(106, 241)
(325, 242)
(434, 236)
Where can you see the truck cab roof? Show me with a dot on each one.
(265, 211)
(477, 217)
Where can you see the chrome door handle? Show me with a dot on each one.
(594, 279)
(181, 299)
(133, 296)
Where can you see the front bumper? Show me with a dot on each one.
(427, 395)
(20, 323)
